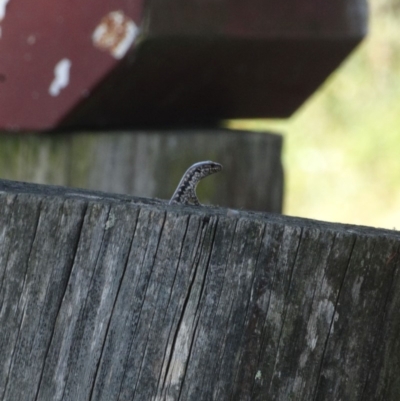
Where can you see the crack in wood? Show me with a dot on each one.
(109, 299)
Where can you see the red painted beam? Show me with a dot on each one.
(53, 53)
(124, 63)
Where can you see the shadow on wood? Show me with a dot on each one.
(107, 297)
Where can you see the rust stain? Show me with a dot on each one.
(115, 34)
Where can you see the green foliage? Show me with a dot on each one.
(342, 148)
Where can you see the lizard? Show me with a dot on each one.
(185, 193)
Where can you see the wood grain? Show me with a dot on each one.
(109, 297)
(151, 163)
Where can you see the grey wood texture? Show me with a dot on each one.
(109, 297)
(152, 163)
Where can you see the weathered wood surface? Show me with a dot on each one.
(151, 163)
(107, 297)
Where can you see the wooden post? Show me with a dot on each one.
(151, 163)
(107, 297)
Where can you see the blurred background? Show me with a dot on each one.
(342, 147)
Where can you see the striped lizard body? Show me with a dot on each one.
(185, 193)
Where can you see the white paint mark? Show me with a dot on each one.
(61, 77)
(115, 34)
(3, 5)
(31, 39)
(258, 375)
